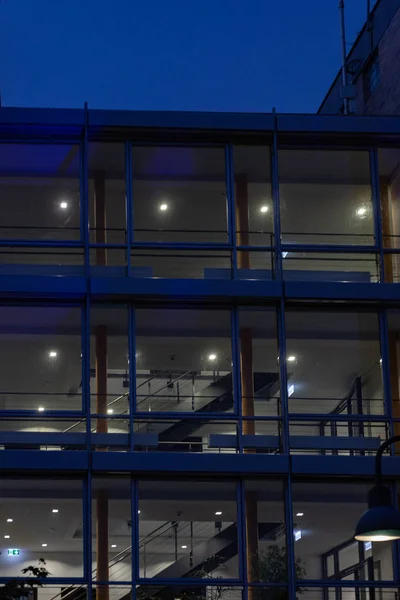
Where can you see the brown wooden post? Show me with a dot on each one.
(242, 220)
(100, 217)
(246, 375)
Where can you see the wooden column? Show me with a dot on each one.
(100, 217)
(242, 220)
(246, 376)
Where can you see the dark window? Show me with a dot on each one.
(371, 76)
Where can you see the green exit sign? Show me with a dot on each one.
(13, 552)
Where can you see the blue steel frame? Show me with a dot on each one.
(79, 127)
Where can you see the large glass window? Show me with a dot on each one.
(389, 188)
(325, 197)
(42, 518)
(324, 517)
(179, 194)
(183, 360)
(188, 529)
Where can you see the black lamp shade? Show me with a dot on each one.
(381, 522)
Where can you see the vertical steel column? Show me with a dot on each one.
(100, 217)
(234, 314)
(128, 204)
(390, 378)
(275, 198)
(87, 528)
(230, 196)
(132, 373)
(88, 542)
(290, 552)
(84, 190)
(283, 376)
(135, 552)
(102, 592)
(242, 542)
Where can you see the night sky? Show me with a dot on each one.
(207, 55)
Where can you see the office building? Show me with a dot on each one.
(373, 79)
(199, 342)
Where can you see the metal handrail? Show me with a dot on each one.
(165, 386)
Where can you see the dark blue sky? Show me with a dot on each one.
(222, 55)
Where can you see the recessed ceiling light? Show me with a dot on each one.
(218, 513)
(290, 390)
(183, 547)
(53, 354)
(113, 545)
(291, 358)
(138, 512)
(7, 537)
(297, 536)
(110, 411)
(284, 254)
(164, 206)
(55, 510)
(362, 211)
(264, 209)
(9, 520)
(299, 514)
(63, 205)
(212, 356)
(41, 409)
(44, 545)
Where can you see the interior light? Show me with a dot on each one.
(297, 535)
(63, 205)
(183, 547)
(212, 357)
(41, 409)
(113, 545)
(380, 361)
(299, 514)
(264, 209)
(284, 254)
(218, 513)
(163, 206)
(362, 211)
(55, 510)
(44, 545)
(110, 411)
(290, 390)
(138, 512)
(381, 522)
(7, 537)
(291, 358)
(52, 354)
(9, 520)
(367, 546)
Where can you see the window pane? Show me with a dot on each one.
(188, 529)
(325, 197)
(183, 360)
(39, 192)
(175, 192)
(326, 514)
(389, 187)
(43, 519)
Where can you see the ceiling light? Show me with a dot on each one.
(44, 545)
(264, 209)
(110, 411)
(362, 211)
(7, 537)
(52, 354)
(41, 409)
(63, 205)
(290, 390)
(297, 536)
(284, 254)
(183, 547)
(9, 520)
(212, 356)
(299, 514)
(163, 206)
(113, 545)
(218, 513)
(55, 510)
(291, 358)
(138, 512)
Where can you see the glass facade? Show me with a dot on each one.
(199, 335)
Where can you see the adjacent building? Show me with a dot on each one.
(199, 343)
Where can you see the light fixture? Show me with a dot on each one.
(41, 409)
(291, 358)
(7, 537)
(184, 547)
(264, 209)
(212, 356)
(44, 545)
(113, 545)
(297, 535)
(110, 411)
(381, 522)
(138, 512)
(53, 354)
(63, 205)
(9, 520)
(299, 514)
(218, 513)
(284, 254)
(290, 390)
(55, 510)
(163, 206)
(367, 546)
(361, 212)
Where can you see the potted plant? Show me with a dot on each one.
(270, 566)
(22, 587)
